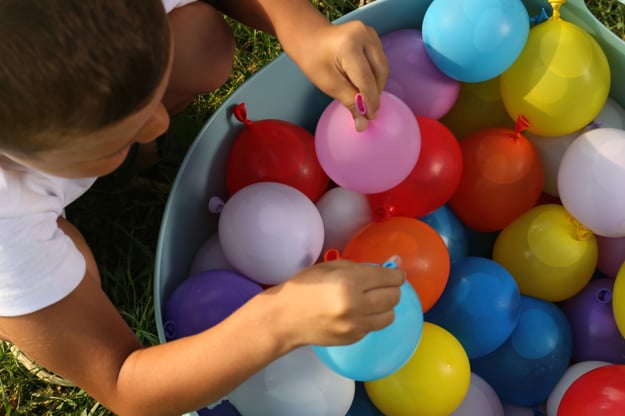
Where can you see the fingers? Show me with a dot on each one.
(381, 320)
(380, 300)
(365, 67)
(377, 277)
(377, 58)
(339, 301)
(372, 84)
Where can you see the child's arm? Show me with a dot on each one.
(340, 60)
(84, 338)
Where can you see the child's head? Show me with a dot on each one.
(72, 67)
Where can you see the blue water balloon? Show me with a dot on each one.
(480, 305)
(451, 230)
(526, 368)
(224, 408)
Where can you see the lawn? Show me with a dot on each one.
(121, 219)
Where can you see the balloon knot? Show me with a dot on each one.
(240, 113)
(393, 262)
(215, 205)
(555, 5)
(581, 231)
(593, 125)
(384, 212)
(603, 295)
(170, 330)
(521, 124)
(331, 254)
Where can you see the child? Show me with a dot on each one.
(80, 83)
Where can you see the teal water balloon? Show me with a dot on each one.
(380, 353)
(475, 40)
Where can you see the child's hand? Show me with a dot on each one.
(340, 59)
(344, 59)
(335, 303)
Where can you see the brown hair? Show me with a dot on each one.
(69, 67)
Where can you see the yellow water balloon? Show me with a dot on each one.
(478, 106)
(433, 382)
(618, 299)
(560, 81)
(549, 253)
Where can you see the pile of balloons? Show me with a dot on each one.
(500, 193)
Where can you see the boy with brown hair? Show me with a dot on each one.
(80, 83)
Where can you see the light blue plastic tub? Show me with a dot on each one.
(280, 91)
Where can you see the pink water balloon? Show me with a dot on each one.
(373, 160)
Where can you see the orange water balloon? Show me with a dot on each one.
(502, 178)
(424, 255)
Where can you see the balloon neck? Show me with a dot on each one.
(521, 124)
(215, 205)
(603, 295)
(393, 262)
(331, 254)
(384, 212)
(169, 328)
(540, 17)
(555, 5)
(240, 113)
(581, 231)
(593, 125)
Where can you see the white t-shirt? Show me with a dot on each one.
(39, 264)
(172, 4)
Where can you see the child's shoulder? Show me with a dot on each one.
(24, 191)
(39, 264)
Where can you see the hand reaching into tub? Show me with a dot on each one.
(343, 60)
(340, 59)
(333, 303)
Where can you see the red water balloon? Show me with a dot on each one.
(432, 181)
(600, 391)
(274, 151)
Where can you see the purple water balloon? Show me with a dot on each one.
(204, 300)
(414, 78)
(269, 231)
(595, 334)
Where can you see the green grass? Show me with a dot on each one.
(122, 223)
(611, 13)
